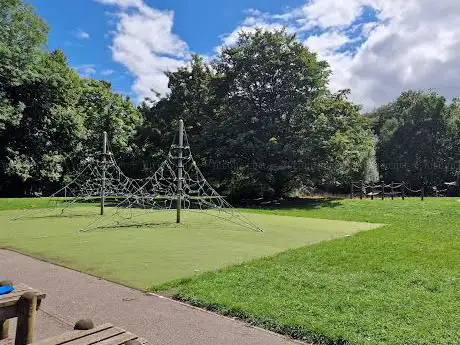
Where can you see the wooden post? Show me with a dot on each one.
(403, 190)
(383, 190)
(4, 329)
(422, 192)
(179, 170)
(392, 191)
(4, 324)
(362, 190)
(372, 191)
(27, 310)
(351, 190)
(104, 162)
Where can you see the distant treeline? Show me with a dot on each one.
(260, 117)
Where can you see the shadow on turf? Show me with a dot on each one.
(127, 226)
(295, 203)
(51, 216)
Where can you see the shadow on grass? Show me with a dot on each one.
(295, 203)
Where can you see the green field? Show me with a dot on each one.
(161, 251)
(398, 284)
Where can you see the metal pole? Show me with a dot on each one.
(179, 170)
(383, 190)
(351, 191)
(104, 162)
(403, 190)
(372, 191)
(392, 190)
(362, 190)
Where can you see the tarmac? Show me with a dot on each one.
(71, 295)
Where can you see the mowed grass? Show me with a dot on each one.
(159, 250)
(27, 203)
(395, 285)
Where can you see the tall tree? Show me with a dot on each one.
(22, 34)
(414, 137)
(262, 119)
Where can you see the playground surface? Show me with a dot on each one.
(161, 251)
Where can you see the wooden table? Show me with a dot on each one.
(22, 303)
(106, 334)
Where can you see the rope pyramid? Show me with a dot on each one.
(130, 198)
(160, 191)
(85, 187)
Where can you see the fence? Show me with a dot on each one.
(399, 189)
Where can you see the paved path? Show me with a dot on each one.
(72, 295)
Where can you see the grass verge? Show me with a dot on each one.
(396, 285)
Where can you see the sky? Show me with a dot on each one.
(376, 48)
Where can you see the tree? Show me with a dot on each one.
(50, 117)
(191, 98)
(415, 138)
(22, 35)
(261, 119)
(50, 129)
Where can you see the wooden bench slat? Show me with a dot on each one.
(73, 335)
(16, 293)
(97, 337)
(119, 339)
(20, 289)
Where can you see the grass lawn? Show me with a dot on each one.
(398, 284)
(154, 254)
(27, 203)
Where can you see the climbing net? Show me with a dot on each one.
(85, 187)
(161, 191)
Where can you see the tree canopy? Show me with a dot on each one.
(260, 117)
(417, 138)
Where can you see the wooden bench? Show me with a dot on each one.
(22, 303)
(106, 334)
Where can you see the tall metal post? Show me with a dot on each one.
(179, 170)
(104, 163)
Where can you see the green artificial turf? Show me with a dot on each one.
(159, 250)
(395, 285)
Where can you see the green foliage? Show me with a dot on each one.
(22, 34)
(261, 119)
(418, 138)
(50, 117)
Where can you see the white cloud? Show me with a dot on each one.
(255, 20)
(327, 43)
(145, 44)
(378, 48)
(86, 70)
(82, 35)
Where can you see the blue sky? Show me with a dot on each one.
(377, 48)
(69, 21)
